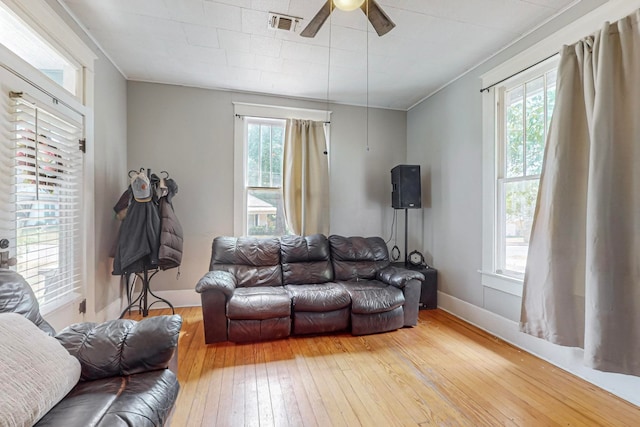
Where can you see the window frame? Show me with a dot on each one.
(51, 27)
(54, 31)
(567, 35)
(501, 141)
(61, 175)
(494, 139)
(243, 109)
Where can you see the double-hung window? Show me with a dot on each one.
(265, 146)
(517, 113)
(260, 133)
(523, 113)
(516, 108)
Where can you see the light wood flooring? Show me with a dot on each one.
(442, 372)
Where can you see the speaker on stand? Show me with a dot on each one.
(406, 194)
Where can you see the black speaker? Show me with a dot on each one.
(407, 192)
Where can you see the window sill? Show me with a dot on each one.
(47, 309)
(500, 282)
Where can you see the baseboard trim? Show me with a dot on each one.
(179, 298)
(569, 359)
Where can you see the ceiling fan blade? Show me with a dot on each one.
(316, 23)
(380, 20)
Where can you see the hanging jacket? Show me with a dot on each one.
(171, 236)
(138, 239)
(170, 251)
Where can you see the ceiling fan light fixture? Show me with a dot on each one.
(348, 5)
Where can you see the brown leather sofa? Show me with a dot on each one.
(260, 289)
(125, 380)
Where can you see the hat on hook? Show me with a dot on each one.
(141, 186)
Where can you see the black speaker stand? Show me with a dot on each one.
(406, 236)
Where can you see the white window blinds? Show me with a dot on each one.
(46, 191)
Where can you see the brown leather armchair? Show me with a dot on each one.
(125, 378)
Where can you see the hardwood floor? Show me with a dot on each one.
(441, 372)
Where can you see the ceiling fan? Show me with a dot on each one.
(380, 20)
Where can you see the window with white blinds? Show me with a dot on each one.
(46, 191)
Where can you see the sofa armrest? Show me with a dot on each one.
(222, 281)
(122, 347)
(398, 277)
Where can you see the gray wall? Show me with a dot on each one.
(110, 174)
(190, 133)
(110, 165)
(444, 135)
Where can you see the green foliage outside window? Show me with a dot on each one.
(265, 148)
(527, 115)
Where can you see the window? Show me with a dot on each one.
(32, 48)
(524, 112)
(265, 210)
(259, 136)
(42, 208)
(46, 192)
(510, 153)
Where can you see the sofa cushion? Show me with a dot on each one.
(259, 330)
(357, 258)
(318, 298)
(122, 346)
(371, 296)
(36, 371)
(374, 323)
(16, 296)
(306, 322)
(253, 261)
(140, 400)
(305, 259)
(259, 303)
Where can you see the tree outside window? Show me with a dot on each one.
(526, 116)
(265, 145)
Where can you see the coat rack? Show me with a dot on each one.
(147, 267)
(142, 300)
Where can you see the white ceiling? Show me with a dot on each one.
(226, 44)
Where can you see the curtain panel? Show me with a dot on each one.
(305, 177)
(582, 281)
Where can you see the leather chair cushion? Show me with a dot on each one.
(318, 298)
(259, 303)
(117, 401)
(319, 323)
(259, 330)
(365, 324)
(356, 258)
(305, 259)
(371, 296)
(16, 296)
(122, 346)
(253, 261)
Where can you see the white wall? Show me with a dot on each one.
(444, 135)
(189, 133)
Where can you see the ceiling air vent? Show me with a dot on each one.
(278, 21)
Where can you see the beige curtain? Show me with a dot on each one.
(582, 282)
(305, 177)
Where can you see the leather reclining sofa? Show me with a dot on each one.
(128, 371)
(270, 288)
